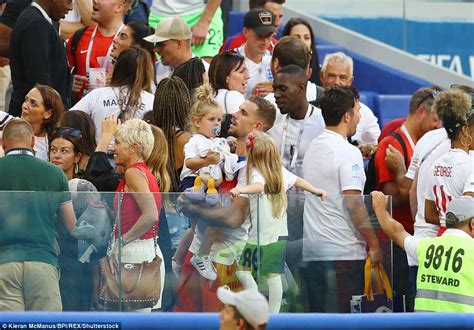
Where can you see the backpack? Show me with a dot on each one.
(371, 175)
(76, 37)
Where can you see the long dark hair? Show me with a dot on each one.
(314, 53)
(191, 73)
(133, 72)
(221, 66)
(171, 112)
(83, 122)
(140, 31)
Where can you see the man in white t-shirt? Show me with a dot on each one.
(337, 70)
(336, 231)
(259, 28)
(297, 122)
(195, 293)
(172, 39)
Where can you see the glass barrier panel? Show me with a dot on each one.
(100, 253)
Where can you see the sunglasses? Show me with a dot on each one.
(69, 131)
(431, 93)
(231, 52)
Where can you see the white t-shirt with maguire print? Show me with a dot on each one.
(333, 164)
(258, 72)
(270, 228)
(449, 178)
(313, 127)
(102, 102)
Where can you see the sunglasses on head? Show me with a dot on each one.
(72, 132)
(231, 52)
(431, 93)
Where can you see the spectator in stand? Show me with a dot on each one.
(247, 309)
(132, 34)
(8, 19)
(77, 18)
(66, 148)
(129, 94)
(11, 11)
(438, 295)
(337, 70)
(172, 40)
(291, 50)
(171, 113)
(43, 110)
(273, 6)
(204, 18)
(228, 75)
(333, 271)
(192, 73)
(259, 27)
(30, 61)
(420, 120)
(300, 28)
(451, 175)
(90, 58)
(84, 123)
(428, 149)
(29, 274)
(134, 142)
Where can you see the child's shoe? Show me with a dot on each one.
(212, 197)
(204, 266)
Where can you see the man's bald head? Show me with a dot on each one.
(17, 133)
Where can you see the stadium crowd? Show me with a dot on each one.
(205, 144)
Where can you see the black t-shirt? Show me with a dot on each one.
(12, 11)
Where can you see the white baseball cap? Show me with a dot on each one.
(250, 303)
(459, 210)
(170, 28)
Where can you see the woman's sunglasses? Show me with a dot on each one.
(72, 132)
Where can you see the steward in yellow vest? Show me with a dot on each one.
(445, 281)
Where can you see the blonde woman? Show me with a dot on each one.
(139, 195)
(265, 174)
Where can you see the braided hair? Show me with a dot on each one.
(191, 72)
(170, 113)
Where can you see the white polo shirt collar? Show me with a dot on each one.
(43, 12)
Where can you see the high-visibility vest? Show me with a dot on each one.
(445, 281)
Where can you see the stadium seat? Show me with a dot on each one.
(391, 107)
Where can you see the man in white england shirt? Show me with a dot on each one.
(259, 28)
(336, 231)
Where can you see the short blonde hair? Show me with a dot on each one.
(136, 131)
(339, 58)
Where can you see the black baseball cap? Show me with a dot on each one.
(261, 21)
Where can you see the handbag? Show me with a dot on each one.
(382, 302)
(134, 286)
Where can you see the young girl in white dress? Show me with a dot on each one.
(268, 233)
